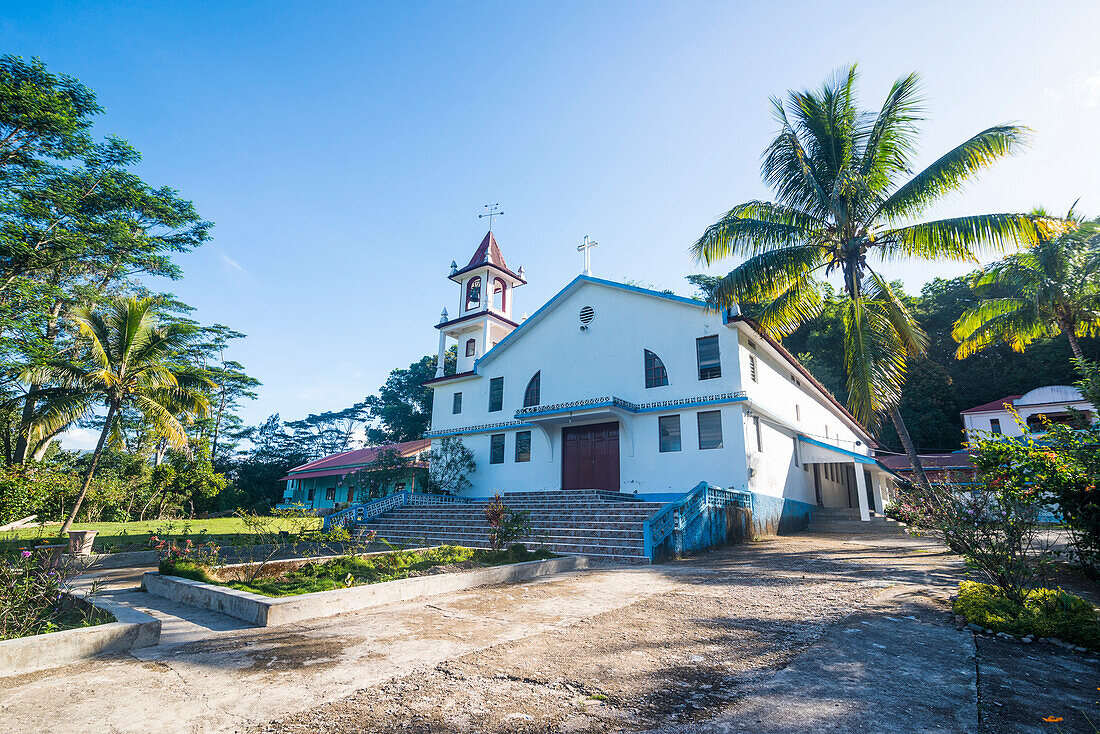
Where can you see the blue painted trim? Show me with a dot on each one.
(498, 429)
(695, 404)
(862, 459)
(655, 409)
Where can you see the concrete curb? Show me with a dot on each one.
(266, 611)
(130, 630)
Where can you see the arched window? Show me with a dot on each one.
(500, 294)
(655, 373)
(471, 345)
(473, 293)
(531, 395)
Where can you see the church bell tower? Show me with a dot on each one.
(484, 315)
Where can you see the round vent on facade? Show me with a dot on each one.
(587, 314)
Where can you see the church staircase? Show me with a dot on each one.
(594, 523)
(846, 520)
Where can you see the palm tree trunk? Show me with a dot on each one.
(910, 449)
(1074, 344)
(91, 469)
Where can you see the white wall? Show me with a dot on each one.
(607, 360)
(1042, 400)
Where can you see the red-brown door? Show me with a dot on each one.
(590, 457)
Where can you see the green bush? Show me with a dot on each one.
(1045, 613)
(187, 570)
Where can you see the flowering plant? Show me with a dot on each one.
(32, 593)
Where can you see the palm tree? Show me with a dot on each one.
(125, 360)
(840, 198)
(1052, 288)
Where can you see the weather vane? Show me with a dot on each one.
(586, 248)
(491, 210)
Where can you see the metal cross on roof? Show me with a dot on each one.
(586, 248)
(491, 210)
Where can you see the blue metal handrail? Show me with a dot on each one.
(675, 516)
(363, 512)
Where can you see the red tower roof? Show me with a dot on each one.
(488, 253)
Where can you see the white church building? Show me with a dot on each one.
(614, 387)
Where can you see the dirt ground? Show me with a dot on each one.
(802, 633)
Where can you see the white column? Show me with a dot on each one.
(442, 352)
(861, 492)
(485, 338)
(876, 491)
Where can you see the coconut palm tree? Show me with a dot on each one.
(844, 197)
(125, 361)
(1052, 288)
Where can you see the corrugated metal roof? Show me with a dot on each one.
(996, 405)
(348, 461)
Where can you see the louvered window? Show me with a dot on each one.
(523, 446)
(496, 448)
(710, 361)
(456, 406)
(496, 394)
(669, 428)
(710, 429)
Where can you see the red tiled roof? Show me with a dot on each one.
(995, 405)
(347, 461)
(488, 253)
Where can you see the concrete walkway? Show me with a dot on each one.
(725, 623)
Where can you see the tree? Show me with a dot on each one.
(1053, 288)
(122, 363)
(374, 479)
(836, 171)
(449, 463)
(402, 410)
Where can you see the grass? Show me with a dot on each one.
(75, 616)
(358, 571)
(114, 537)
(1046, 613)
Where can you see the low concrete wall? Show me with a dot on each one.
(266, 611)
(130, 630)
(779, 515)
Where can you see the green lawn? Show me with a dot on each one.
(343, 572)
(117, 536)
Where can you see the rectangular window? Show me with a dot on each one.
(995, 425)
(796, 460)
(311, 494)
(496, 395)
(496, 448)
(710, 361)
(668, 426)
(523, 446)
(330, 494)
(471, 346)
(456, 406)
(752, 368)
(710, 429)
(759, 433)
(797, 412)
(351, 494)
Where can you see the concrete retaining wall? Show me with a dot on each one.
(266, 611)
(130, 630)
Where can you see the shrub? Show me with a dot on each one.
(506, 525)
(1044, 613)
(33, 599)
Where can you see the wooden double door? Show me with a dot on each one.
(590, 457)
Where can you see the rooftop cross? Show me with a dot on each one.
(491, 210)
(586, 248)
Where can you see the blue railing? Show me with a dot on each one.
(363, 512)
(675, 517)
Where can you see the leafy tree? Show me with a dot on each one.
(449, 464)
(402, 410)
(841, 200)
(123, 362)
(1053, 288)
(321, 434)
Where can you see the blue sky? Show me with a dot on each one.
(344, 150)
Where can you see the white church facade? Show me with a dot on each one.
(613, 387)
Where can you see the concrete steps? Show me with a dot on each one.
(846, 520)
(594, 523)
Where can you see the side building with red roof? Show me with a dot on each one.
(333, 481)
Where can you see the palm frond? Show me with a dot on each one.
(909, 332)
(795, 306)
(874, 359)
(960, 238)
(953, 169)
(763, 277)
(891, 139)
(1014, 321)
(789, 169)
(163, 422)
(752, 228)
